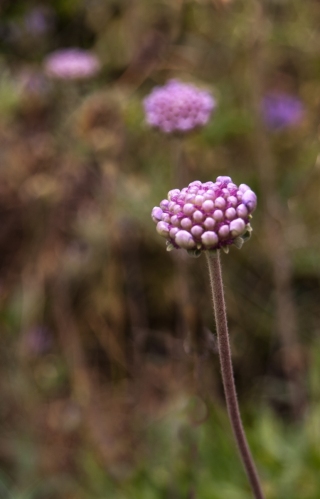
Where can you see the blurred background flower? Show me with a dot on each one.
(39, 20)
(71, 64)
(178, 107)
(281, 110)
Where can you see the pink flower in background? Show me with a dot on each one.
(178, 107)
(71, 64)
(206, 216)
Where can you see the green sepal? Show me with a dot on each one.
(194, 253)
(238, 242)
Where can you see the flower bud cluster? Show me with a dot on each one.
(178, 107)
(206, 216)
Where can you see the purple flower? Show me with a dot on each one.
(39, 20)
(206, 216)
(178, 107)
(281, 110)
(71, 64)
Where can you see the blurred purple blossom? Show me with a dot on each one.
(206, 216)
(71, 64)
(178, 107)
(39, 20)
(280, 110)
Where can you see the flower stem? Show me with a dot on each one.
(213, 260)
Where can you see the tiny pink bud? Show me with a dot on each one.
(224, 231)
(165, 217)
(224, 179)
(220, 203)
(173, 193)
(173, 232)
(195, 183)
(209, 223)
(208, 205)
(209, 239)
(188, 209)
(225, 192)
(210, 194)
(163, 229)
(242, 211)
(196, 231)
(190, 198)
(156, 214)
(218, 215)
(198, 200)
(232, 200)
(237, 227)
(230, 213)
(164, 204)
(186, 223)
(175, 221)
(250, 200)
(176, 209)
(184, 240)
(239, 195)
(244, 188)
(198, 216)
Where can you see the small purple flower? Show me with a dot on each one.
(39, 20)
(281, 110)
(178, 107)
(206, 216)
(71, 64)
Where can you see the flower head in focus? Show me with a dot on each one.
(71, 64)
(206, 216)
(281, 110)
(178, 107)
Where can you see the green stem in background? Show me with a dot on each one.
(180, 170)
(213, 260)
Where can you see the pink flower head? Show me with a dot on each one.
(206, 216)
(71, 64)
(178, 107)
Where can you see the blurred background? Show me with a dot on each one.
(109, 377)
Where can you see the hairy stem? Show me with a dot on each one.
(213, 260)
